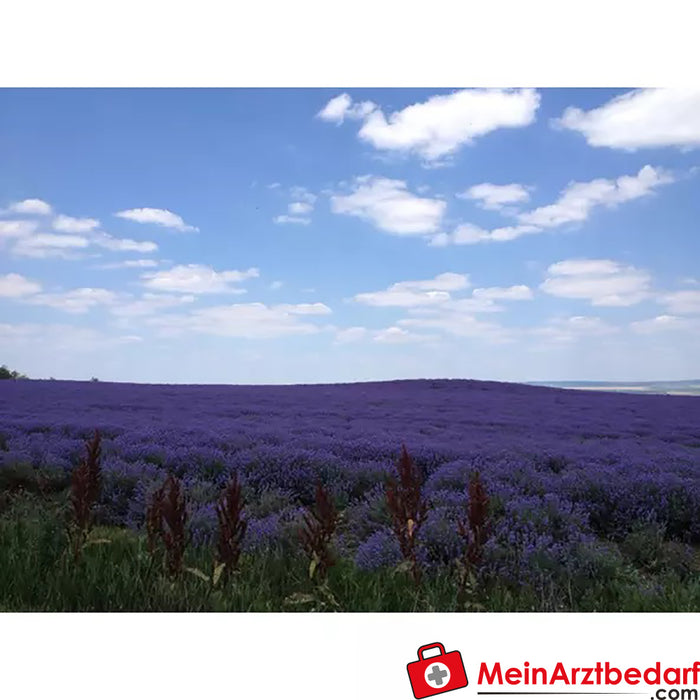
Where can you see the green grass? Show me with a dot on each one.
(117, 573)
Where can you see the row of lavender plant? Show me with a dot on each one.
(167, 533)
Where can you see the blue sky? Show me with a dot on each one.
(283, 236)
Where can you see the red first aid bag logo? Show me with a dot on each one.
(436, 674)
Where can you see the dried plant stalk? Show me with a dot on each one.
(85, 490)
(166, 520)
(232, 527)
(407, 508)
(316, 534)
(474, 531)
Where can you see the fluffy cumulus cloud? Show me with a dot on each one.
(469, 234)
(198, 279)
(518, 292)
(30, 207)
(580, 198)
(251, 321)
(75, 301)
(79, 301)
(104, 240)
(15, 286)
(69, 224)
(148, 304)
(64, 236)
(159, 217)
(600, 282)
(390, 206)
(17, 229)
(576, 203)
(686, 301)
(416, 293)
(340, 108)
(47, 245)
(436, 306)
(648, 118)
(299, 209)
(441, 125)
(496, 197)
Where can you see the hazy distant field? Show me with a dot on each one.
(679, 388)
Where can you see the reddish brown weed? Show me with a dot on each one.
(85, 490)
(316, 534)
(407, 509)
(232, 527)
(166, 519)
(474, 531)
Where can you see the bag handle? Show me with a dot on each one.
(431, 646)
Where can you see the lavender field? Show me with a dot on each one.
(579, 482)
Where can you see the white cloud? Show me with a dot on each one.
(416, 293)
(683, 302)
(350, 335)
(197, 279)
(469, 234)
(400, 335)
(17, 229)
(342, 107)
(574, 205)
(518, 292)
(664, 324)
(160, 217)
(69, 224)
(14, 286)
(601, 282)
(316, 309)
(460, 324)
(58, 337)
(466, 305)
(495, 197)
(302, 194)
(75, 301)
(104, 240)
(36, 207)
(46, 245)
(286, 219)
(648, 118)
(442, 124)
(431, 307)
(277, 284)
(573, 328)
(141, 263)
(148, 304)
(298, 211)
(300, 208)
(389, 206)
(336, 109)
(251, 321)
(579, 198)
(584, 267)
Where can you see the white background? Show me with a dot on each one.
(305, 43)
(311, 655)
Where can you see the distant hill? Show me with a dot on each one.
(687, 387)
